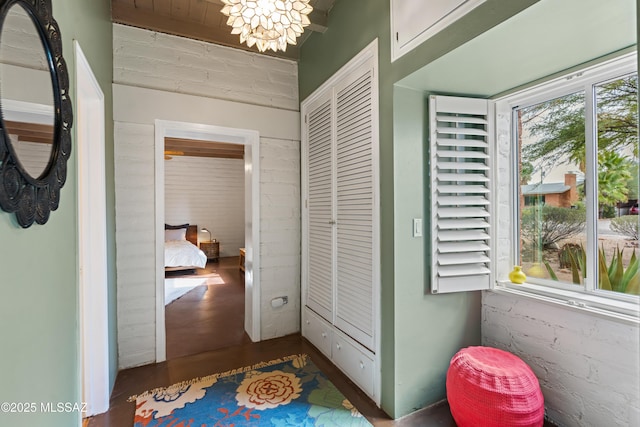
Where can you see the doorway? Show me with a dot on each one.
(204, 304)
(250, 140)
(92, 238)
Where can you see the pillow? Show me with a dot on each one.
(177, 234)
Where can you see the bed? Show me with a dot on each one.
(181, 248)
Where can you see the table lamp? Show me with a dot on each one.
(203, 229)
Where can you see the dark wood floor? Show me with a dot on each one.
(205, 335)
(209, 317)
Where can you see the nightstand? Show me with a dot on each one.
(211, 249)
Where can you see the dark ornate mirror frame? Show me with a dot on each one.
(33, 198)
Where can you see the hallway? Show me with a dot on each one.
(205, 335)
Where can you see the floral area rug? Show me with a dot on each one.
(281, 393)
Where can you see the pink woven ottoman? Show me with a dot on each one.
(488, 387)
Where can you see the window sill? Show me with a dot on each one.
(620, 311)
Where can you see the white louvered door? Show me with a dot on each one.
(355, 190)
(340, 243)
(340, 221)
(461, 209)
(320, 205)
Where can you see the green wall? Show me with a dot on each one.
(420, 332)
(321, 56)
(89, 22)
(39, 329)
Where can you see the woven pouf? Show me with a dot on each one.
(488, 387)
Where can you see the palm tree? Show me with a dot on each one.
(614, 172)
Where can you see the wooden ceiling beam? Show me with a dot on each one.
(37, 139)
(144, 4)
(201, 149)
(180, 8)
(125, 13)
(198, 11)
(198, 148)
(211, 154)
(179, 143)
(30, 132)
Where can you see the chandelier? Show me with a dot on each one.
(269, 24)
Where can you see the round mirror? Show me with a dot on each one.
(35, 111)
(26, 92)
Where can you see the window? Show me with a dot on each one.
(575, 164)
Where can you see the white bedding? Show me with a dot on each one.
(182, 253)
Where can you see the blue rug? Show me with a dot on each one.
(281, 393)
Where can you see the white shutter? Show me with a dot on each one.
(319, 129)
(355, 206)
(461, 196)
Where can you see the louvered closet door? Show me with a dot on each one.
(355, 207)
(460, 130)
(320, 208)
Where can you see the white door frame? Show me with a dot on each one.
(92, 237)
(251, 140)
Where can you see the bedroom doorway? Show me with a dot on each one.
(207, 133)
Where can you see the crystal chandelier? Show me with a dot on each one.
(269, 24)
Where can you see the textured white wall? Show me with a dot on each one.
(21, 43)
(207, 192)
(34, 156)
(154, 76)
(280, 234)
(135, 237)
(159, 61)
(588, 364)
(23, 66)
(24, 72)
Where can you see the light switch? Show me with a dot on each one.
(417, 227)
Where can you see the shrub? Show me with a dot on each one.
(608, 211)
(626, 225)
(548, 225)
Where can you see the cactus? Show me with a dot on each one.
(613, 276)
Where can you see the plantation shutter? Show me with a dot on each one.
(461, 209)
(355, 206)
(320, 200)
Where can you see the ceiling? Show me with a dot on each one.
(517, 52)
(202, 20)
(196, 148)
